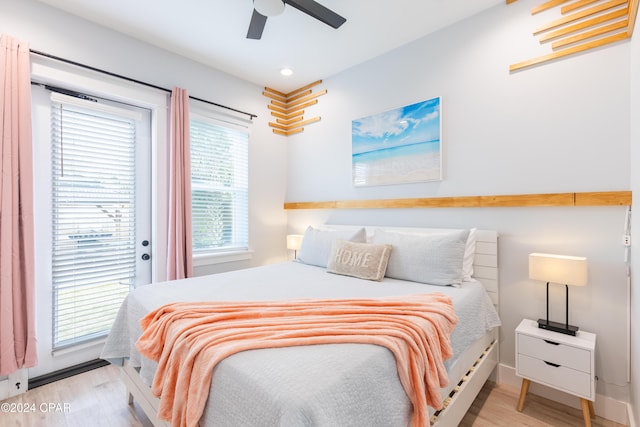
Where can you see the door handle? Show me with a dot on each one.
(145, 257)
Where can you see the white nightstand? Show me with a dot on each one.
(560, 361)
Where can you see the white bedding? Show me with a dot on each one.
(344, 384)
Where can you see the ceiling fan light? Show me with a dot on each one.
(286, 71)
(269, 7)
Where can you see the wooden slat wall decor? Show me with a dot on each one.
(584, 25)
(603, 198)
(288, 108)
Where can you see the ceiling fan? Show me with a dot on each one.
(265, 8)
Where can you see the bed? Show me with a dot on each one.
(328, 384)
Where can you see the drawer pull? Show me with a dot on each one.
(552, 342)
(555, 365)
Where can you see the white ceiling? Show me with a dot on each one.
(213, 32)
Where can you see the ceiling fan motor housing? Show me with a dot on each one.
(269, 7)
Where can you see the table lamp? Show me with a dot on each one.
(294, 241)
(562, 269)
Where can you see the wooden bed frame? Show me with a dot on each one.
(485, 267)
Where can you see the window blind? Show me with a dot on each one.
(219, 186)
(93, 214)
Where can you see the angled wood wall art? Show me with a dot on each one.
(583, 25)
(288, 108)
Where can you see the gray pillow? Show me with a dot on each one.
(361, 260)
(316, 244)
(432, 259)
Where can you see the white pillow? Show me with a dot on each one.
(469, 255)
(469, 251)
(435, 259)
(316, 244)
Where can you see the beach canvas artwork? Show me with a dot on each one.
(398, 146)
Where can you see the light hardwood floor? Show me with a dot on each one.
(97, 398)
(496, 405)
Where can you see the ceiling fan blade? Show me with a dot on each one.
(318, 11)
(256, 26)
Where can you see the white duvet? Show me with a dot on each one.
(320, 385)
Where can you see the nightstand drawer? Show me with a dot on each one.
(560, 377)
(560, 354)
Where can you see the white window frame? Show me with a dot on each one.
(220, 117)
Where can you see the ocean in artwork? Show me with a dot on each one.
(404, 164)
(398, 146)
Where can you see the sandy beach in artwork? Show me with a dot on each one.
(398, 166)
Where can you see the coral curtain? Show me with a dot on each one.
(179, 253)
(17, 300)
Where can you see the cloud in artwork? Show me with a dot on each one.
(381, 125)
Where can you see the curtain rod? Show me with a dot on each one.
(88, 67)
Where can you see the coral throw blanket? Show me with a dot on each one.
(189, 339)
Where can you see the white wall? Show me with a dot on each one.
(635, 186)
(559, 127)
(63, 35)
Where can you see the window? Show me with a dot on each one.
(93, 216)
(219, 185)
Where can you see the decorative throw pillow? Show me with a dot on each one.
(433, 259)
(361, 260)
(316, 244)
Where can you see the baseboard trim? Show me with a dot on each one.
(632, 422)
(605, 407)
(66, 373)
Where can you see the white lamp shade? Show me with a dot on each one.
(562, 269)
(294, 241)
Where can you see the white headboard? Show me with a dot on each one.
(485, 263)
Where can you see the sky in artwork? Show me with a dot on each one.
(412, 124)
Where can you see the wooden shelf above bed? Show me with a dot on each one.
(602, 198)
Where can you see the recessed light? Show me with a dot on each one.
(286, 71)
